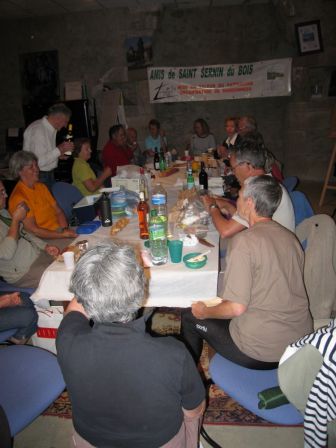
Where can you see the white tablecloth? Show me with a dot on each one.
(171, 285)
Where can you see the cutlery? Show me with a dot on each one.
(205, 242)
(198, 257)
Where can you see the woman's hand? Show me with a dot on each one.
(52, 250)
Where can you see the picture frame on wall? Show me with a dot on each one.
(309, 37)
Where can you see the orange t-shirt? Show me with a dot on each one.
(39, 200)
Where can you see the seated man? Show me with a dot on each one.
(139, 156)
(246, 161)
(17, 311)
(116, 152)
(265, 305)
(45, 219)
(23, 256)
(130, 389)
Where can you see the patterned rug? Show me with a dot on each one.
(221, 409)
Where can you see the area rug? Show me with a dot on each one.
(221, 409)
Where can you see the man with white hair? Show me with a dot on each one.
(264, 302)
(127, 388)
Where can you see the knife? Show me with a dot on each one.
(205, 242)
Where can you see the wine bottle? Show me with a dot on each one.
(203, 178)
(156, 160)
(143, 216)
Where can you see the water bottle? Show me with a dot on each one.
(105, 211)
(158, 238)
(159, 203)
(190, 179)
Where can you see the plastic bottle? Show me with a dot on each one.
(203, 178)
(143, 216)
(190, 179)
(158, 239)
(159, 200)
(143, 183)
(156, 160)
(105, 211)
(168, 158)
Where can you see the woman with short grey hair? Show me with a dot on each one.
(109, 283)
(45, 219)
(127, 388)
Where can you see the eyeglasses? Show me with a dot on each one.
(238, 164)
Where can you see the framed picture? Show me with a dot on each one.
(139, 52)
(309, 37)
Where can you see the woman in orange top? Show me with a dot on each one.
(45, 218)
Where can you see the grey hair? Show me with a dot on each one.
(19, 160)
(249, 150)
(59, 108)
(250, 123)
(265, 192)
(110, 283)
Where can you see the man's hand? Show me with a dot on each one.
(52, 250)
(20, 212)
(207, 201)
(65, 147)
(199, 310)
(9, 300)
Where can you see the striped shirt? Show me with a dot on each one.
(321, 403)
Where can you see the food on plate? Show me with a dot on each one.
(119, 225)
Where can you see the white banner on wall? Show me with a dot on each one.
(220, 82)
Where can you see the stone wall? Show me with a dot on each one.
(91, 48)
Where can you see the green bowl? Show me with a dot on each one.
(195, 264)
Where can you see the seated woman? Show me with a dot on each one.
(166, 394)
(18, 311)
(116, 152)
(202, 139)
(155, 139)
(45, 218)
(231, 129)
(83, 176)
(23, 256)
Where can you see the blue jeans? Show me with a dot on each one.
(23, 317)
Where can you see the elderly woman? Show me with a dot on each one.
(83, 176)
(165, 395)
(45, 218)
(23, 256)
(202, 139)
(116, 152)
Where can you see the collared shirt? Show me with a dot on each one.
(40, 139)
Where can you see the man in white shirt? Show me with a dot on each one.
(40, 139)
(246, 161)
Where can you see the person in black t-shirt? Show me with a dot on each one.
(127, 388)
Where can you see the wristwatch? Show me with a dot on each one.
(211, 206)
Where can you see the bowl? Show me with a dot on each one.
(194, 264)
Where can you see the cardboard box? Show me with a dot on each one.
(129, 184)
(87, 208)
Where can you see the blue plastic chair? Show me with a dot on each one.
(290, 183)
(67, 196)
(243, 385)
(302, 207)
(31, 380)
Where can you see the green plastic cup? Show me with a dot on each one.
(175, 250)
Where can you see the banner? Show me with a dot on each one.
(220, 82)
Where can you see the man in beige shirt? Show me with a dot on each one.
(264, 306)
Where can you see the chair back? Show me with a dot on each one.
(301, 205)
(290, 183)
(31, 380)
(319, 232)
(67, 196)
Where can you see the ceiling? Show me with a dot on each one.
(20, 9)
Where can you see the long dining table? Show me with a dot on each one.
(170, 285)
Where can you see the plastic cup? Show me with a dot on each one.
(175, 250)
(69, 259)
